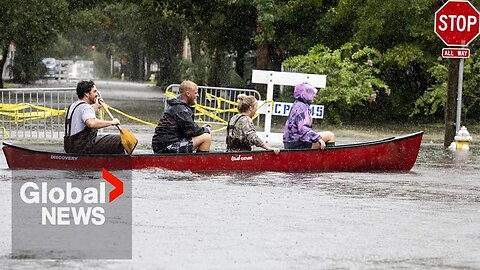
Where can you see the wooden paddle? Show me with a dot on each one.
(129, 141)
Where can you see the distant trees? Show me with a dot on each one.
(31, 26)
(407, 76)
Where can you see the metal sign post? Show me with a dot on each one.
(457, 23)
(459, 95)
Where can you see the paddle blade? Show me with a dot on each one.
(129, 141)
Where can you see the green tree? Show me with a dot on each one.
(352, 76)
(215, 29)
(432, 102)
(31, 26)
(403, 32)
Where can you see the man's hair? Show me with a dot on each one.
(84, 87)
(187, 85)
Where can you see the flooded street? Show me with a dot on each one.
(425, 219)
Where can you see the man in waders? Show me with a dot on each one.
(81, 125)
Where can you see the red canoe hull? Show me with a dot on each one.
(393, 154)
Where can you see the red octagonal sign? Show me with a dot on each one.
(457, 23)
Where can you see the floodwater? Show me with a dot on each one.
(425, 219)
(428, 218)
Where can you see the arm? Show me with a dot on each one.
(267, 147)
(97, 123)
(304, 123)
(249, 131)
(188, 126)
(88, 117)
(305, 128)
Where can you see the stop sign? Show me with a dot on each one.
(457, 23)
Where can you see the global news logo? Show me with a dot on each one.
(69, 204)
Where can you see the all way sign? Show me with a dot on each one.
(455, 53)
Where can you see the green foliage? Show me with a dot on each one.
(352, 75)
(471, 95)
(403, 55)
(199, 72)
(232, 79)
(268, 10)
(397, 36)
(31, 26)
(434, 99)
(303, 23)
(61, 48)
(404, 68)
(384, 23)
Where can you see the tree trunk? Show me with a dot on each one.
(240, 63)
(2, 64)
(195, 49)
(262, 56)
(216, 69)
(451, 106)
(136, 67)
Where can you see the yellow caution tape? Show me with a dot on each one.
(131, 117)
(13, 111)
(170, 94)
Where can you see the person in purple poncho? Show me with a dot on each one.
(298, 132)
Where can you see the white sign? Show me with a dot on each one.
(282, 108)
(272, 78)
(288, 78)
(455, 53)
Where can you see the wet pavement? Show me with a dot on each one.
(425, 219)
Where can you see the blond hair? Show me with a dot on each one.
(187, 85)
(245, 102)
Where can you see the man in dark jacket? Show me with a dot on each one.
(176, 131)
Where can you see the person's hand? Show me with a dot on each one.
(274, 149)
(322, 144)
(208, 127)
(97, 106)
(115, 122)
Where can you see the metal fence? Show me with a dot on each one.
(216, 100)
(34, 112)
(39, 113)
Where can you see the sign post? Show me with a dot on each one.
(457, 23)
(459, 95)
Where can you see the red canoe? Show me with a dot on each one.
(391, 154)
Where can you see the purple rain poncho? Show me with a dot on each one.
(299, 123)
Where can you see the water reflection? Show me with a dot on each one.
(422, 219)
(437, 156)
(439, 175)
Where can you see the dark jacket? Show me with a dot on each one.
(177, 122)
